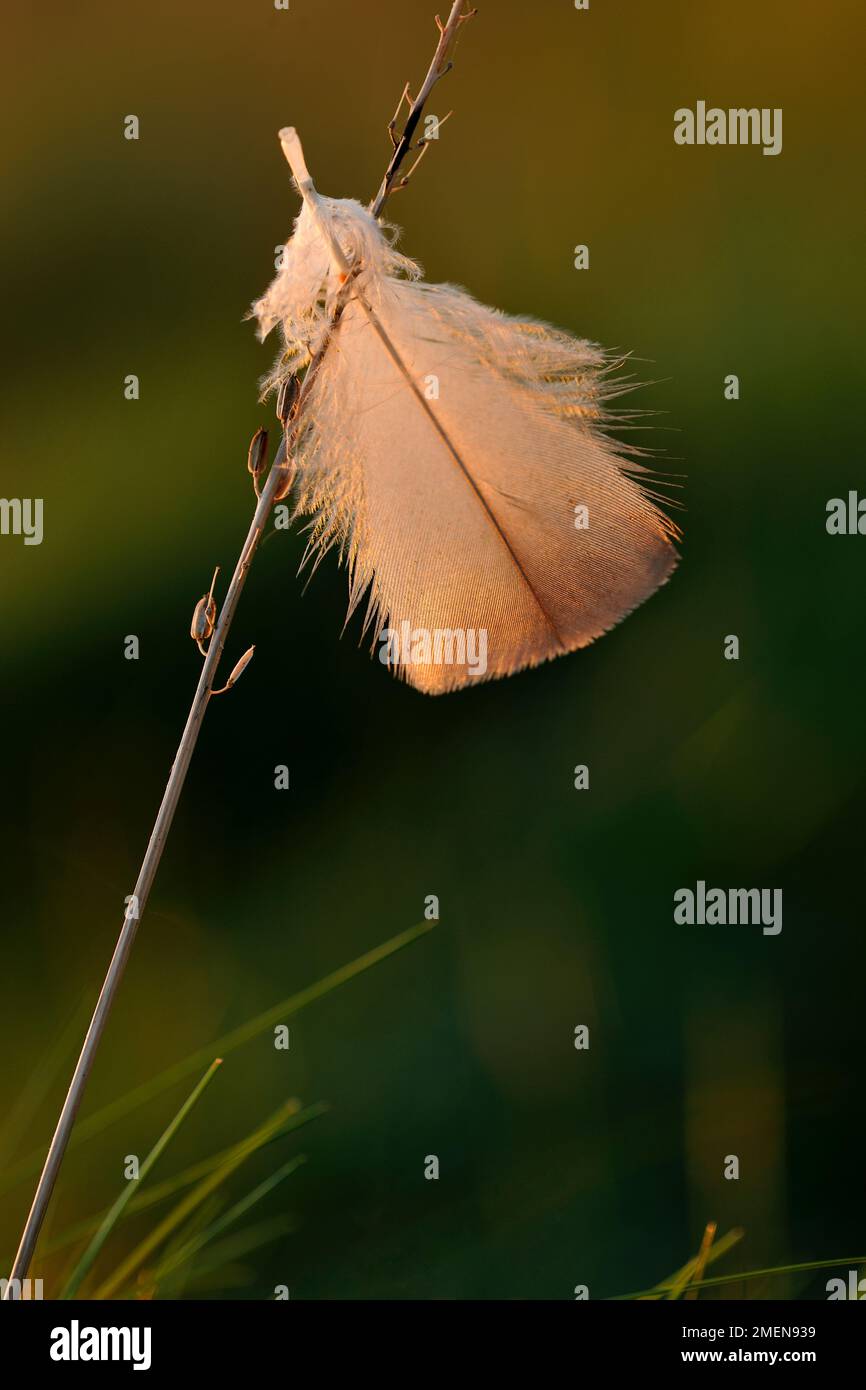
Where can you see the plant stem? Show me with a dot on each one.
(437, 69)
(177, 776)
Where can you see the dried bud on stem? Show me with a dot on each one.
(204, 616)
(237, 672)
(257, 456)
(285, 484)
(287, 400)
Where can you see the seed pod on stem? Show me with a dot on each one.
(204, 616)
(237, 672)
(285, 483)
(257, 456)
(287, 399)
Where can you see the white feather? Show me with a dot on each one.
(443, 450)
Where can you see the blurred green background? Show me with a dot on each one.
(557, 1167)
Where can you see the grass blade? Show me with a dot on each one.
(254, 1027)
(694, 1269)
(117, 1209)
(703, 1259)
(720, 1280)
(158, 1192)
(227, 1218)
(218, 1269)
(721, 1247)
(237, 1155)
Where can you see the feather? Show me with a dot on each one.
(446, 451)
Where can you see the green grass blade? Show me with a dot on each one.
(717, 1249)
(145, 1285)
(168, 1188)
(217, 1269)
(237, 1155)
(179, 1071)
(158, 1192)
(114, 1213)
(660, 1289)
(228, 1218)
(241, 1243)
(694, 1269)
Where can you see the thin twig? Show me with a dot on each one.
(438, 68)
(275, 487)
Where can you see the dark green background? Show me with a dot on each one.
(557, 1167)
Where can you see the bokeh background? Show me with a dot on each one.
(557, 1167)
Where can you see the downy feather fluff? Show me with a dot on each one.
(443, 455)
